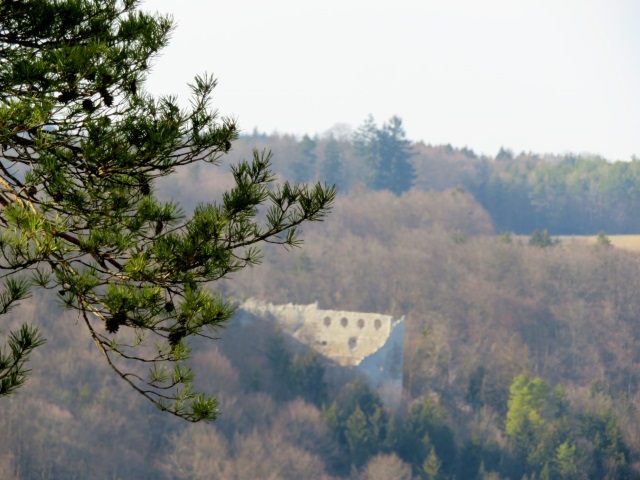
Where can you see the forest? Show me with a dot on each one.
(521, 353)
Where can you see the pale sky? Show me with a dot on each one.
(547, 76)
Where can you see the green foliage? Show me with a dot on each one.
(504, 154)
(478, 314)
(304, 167)
(528, 402)
(568, 194)
(602, 240)
(296, 375)
(421, 437)
(610, 453)
(12, 361)
(387, 153)
(359, 394)
(566, 462)
(307, 374)
(506, 238)
(425, 428)
(548, 443)
(358, 422)
(359, 437)
(541, 239)
(470, 459)
(82, 146)
(431, 466)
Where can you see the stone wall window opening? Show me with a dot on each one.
(360, 323)
(344, 322)
(327, 321)
(377, 324)
(353, 341)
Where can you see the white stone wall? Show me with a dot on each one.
(370, 342)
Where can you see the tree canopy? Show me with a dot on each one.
(387, 153)
(82, 145)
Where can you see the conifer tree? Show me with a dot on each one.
(431, 466)
(387, 152)
(359, 437)
(304, 168)
(82, 145)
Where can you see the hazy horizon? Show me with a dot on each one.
(540, 76)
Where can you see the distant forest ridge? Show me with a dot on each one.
(519, 361)
(564, 194)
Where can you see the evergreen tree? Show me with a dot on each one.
(365, 140)
(602, 240)
(359, 436)
(431, 466)
(333, 417)
(12, 362)
(388, 153)
(504, 154)
(541, 239)
(356, 396)
(395, 171)
(525, 422)
(304, 167)
(610, 453)
(566, 463)
(308, 378)
(425, 427)
(392, 435)
(359, 394)
(82, 145)
(470, 459)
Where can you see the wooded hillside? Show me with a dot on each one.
(519, 360)
(566, 194)
(520, 356)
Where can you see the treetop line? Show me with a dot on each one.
(81, 148)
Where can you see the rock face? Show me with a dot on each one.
(371, 343)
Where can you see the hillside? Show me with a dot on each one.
(491, 321)
(565, 194)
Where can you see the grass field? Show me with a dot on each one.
(625, 242)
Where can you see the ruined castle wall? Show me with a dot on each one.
(370, 342)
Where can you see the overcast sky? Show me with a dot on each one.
(542, 76)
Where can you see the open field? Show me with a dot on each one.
(625, 242)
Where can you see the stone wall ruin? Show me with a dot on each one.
(370, 343)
